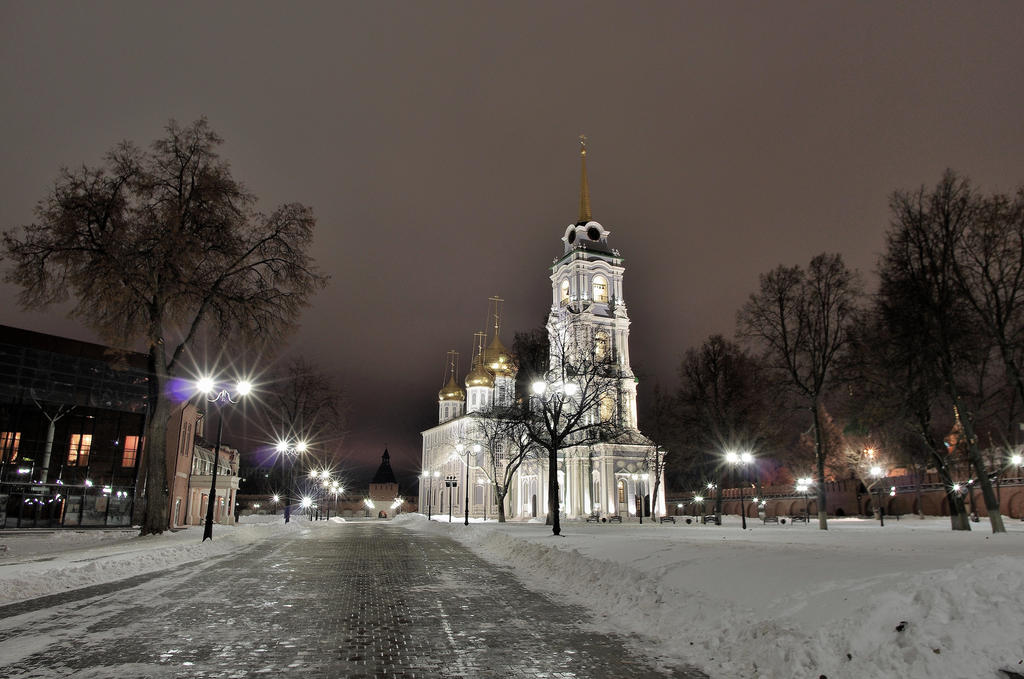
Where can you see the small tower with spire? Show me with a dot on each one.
(498, 360)
(479, 381)
(451, 400)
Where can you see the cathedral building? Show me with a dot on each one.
(605, 477)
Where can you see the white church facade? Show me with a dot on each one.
(604, 478)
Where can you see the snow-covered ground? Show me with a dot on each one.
(34, 564)
(912, 599)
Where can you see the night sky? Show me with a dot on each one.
(437, 144)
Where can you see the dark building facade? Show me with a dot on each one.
(72, 417)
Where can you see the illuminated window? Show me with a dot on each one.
(565, 292)
(78, 451)
(607, 408)
(622, 491)
(600, 289)
(9, 441)
(131, 451)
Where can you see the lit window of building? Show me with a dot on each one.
(9, 441)
(131, 451)
(78, 450)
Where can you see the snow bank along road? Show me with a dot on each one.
(912, 599)
(310, 600)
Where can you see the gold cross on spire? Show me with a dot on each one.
(585, 215)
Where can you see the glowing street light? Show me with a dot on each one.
(218, 395)
(803, 485)
(286, 448)
(877, 474)
(741, 459)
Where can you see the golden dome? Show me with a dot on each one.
(498, 360)
(478, 376)
(451, 391)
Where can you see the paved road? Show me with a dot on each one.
(351, 600)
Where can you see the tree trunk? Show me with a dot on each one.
(156, 517)
(556, 527)
(501, 503)
(957, 512)
(995, 517)
(919, 474)
(819, 454)
(48, 449)
(718, 500)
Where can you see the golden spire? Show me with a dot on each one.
(585, 215)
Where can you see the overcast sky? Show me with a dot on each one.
(437, 144)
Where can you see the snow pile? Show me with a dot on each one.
(95, 557)
(913, 599)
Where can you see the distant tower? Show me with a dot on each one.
(384, 485)
(498, 360)
(451, 400)
(479, 382)
(586, 288)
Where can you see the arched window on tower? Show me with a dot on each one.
(600, 286)
(600, 345)
(607, 408)
(565, 292)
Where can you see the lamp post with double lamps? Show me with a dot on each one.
(741, 459)
(289, 449)
(475, 449)
(450, 482)
(219, 396)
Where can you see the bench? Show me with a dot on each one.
(712, 518)
(798, 519)
(770, 519)
(594, 518)
(614, 518)
(667, 519)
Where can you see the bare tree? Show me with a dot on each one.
(723, 404)
(507, 447)
(803, 320)
(896, 390)
(660, 424)
(989, 266)
(306, 403)
(572, 402)
(159, 247)
(919, 269)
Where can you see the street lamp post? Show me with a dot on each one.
(218, 396)
(476, 451)
(742, 459)
(450, 482)
(287, 448)
(803, 486)
(425, 475)
(876, 473)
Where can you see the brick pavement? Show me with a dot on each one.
(350, 600)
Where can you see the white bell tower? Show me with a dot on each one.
(586, 288)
